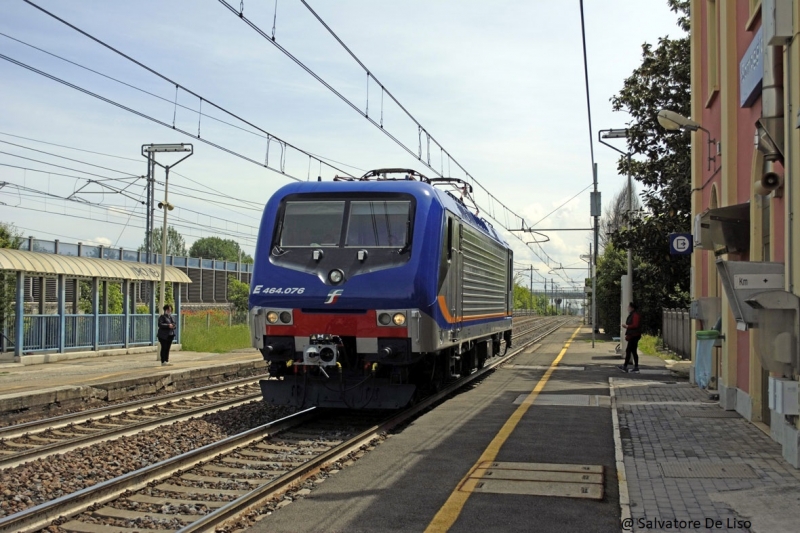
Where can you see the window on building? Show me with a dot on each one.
(712, 48)
(755, 11)
(714, 284)
(762, 204)
(765, 248)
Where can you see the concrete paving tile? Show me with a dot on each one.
(659, 433)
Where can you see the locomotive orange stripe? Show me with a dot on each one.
(451, 320)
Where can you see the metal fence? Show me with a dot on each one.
(40, 332)
(216, 318)
(210, 277)
(78, 331)
(676, 331)
(111, 330)
(142, 329)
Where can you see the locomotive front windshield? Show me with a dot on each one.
(369, 223)
(377, 224)
(312, 224)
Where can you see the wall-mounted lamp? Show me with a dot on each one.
(672, 121)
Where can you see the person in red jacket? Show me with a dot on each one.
(633, 332)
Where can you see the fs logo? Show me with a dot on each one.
(333, 296)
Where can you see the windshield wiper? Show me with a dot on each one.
(407, 245)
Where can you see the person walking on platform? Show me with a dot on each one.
(633, 332)
(166, 334)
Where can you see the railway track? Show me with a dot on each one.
(39, 439)
(537, 324)
(219, 483)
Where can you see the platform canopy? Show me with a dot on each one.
(45, 264)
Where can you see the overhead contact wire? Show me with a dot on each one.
(429, 138)
(176, 84)
(143, 115)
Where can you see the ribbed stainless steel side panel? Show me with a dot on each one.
(485, 275)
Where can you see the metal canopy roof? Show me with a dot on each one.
(727, 228)
(85, 267)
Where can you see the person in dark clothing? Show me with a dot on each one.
(166, 334)
(633, 332)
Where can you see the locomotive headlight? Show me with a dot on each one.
(272, 317)
(327, 354)
(286, 317)
(336, 276)
(399, 319)
(312, 355)
(384, 319)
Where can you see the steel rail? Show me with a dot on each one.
(41, 515)
(256, 497)
(17, 430)
(540, 324)
(67, 445)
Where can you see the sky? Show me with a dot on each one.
(499, 85)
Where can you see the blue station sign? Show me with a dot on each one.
(751, 70)
(680, 243)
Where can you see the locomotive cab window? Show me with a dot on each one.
(378, 224)
(312, 224)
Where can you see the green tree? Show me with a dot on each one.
(217, 248)
(611, 265)
(661, 164)
(10, 237)
(238, 294)
(175, 244)
(114, 297)
(614, 217)
(522, 297)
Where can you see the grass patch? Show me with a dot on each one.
(649, 344)
(201, 334)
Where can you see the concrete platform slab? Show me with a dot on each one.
(411, 481)
(404, 482)
(593, 491)
(765, 508)
(99, 379)
(541, 367)
(577, 400)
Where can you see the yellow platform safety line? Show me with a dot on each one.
(451, 509)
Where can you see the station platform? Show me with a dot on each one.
(25, 388)
(560, 440)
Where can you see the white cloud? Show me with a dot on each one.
(499, 84)
(105, 241)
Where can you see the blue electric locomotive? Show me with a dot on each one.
(369, 291)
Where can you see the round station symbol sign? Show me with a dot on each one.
(680, 243)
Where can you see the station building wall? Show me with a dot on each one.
(724, 174)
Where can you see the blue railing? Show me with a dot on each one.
(78, 331)
(142, 327)
(120, 254)
(111, 330)
(40, 332)
(43, 332)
